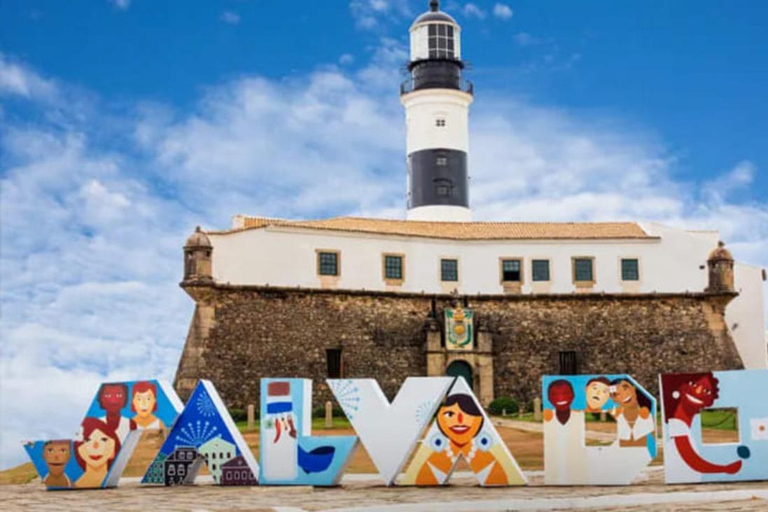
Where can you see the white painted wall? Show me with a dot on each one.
(745, 316)
(443, 213)
(424, 107)
(675, 263)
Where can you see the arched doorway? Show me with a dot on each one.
(460, 369)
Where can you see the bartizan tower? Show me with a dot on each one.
(436, 99)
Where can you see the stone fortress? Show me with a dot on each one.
(500, 303)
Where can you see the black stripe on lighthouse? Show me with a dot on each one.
(438, 177)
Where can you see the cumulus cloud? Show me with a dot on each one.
(471, 10)
(18, 80)
(502, 11)
(232, 18)
(373, 14)
(92, 236)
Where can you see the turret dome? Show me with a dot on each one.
(198, 239)
(720, 253)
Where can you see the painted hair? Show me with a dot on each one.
(113, 384)
(88, 426)
(143, 387)
(672, 382)
(642, 399)
(601, 380)
(466, 404)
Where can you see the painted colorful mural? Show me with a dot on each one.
(289, 454)
(204, 433)
(112, 427)
(687, 459)
(459, 329)
(462, 430)
(390, 431)
(566, 402)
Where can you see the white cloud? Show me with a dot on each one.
(230, 17)
(372, 14)
(346, 59)
(122, 5)
(471, 10)
(92, 237)
(16, 79)
(502, 11)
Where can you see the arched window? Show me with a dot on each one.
(441, 41)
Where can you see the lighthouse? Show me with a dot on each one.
(436, 99)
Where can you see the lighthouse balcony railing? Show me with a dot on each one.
(410, 85)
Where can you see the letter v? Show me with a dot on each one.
(390, 431)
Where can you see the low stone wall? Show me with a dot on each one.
(240, 334)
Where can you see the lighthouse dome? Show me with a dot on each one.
(434, 14)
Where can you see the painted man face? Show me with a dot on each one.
(625, 394)
(697, 395)
(112, 397)
(144, 403)
(561, 396)
(98, 449)
(56, 454)
(598, 394)
(459, 426)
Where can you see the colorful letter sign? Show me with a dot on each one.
(567, 458)
(290, 455)
(107, 436)
(389, 431)
(462, 430)
(684, 396)
(204, 433)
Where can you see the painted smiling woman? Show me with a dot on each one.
(460, 422)
(95, 450)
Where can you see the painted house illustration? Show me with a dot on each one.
(216, 453)
(184, 461)
(237, 472)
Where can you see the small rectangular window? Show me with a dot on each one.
(582, 269)
(328, 263)
(569, 363)
(440, 122)
(511, 270)
(449, 270)
(630, 270)
(540, 270)
(333, 359)
(393, 267)
(442, 161)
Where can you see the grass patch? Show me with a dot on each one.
(22, 474)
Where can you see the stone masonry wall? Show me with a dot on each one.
(240, 334)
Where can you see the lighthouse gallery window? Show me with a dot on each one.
(441, 41)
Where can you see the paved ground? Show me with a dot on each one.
(364, 492)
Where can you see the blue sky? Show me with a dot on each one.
(123, 124)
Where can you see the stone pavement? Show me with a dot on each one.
(364, 492)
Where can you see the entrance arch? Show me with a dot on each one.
(461, 369)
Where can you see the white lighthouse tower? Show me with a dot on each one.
(436, 100)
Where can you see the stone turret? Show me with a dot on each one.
(720, 263)
(198, 253)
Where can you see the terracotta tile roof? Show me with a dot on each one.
(460, 230)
